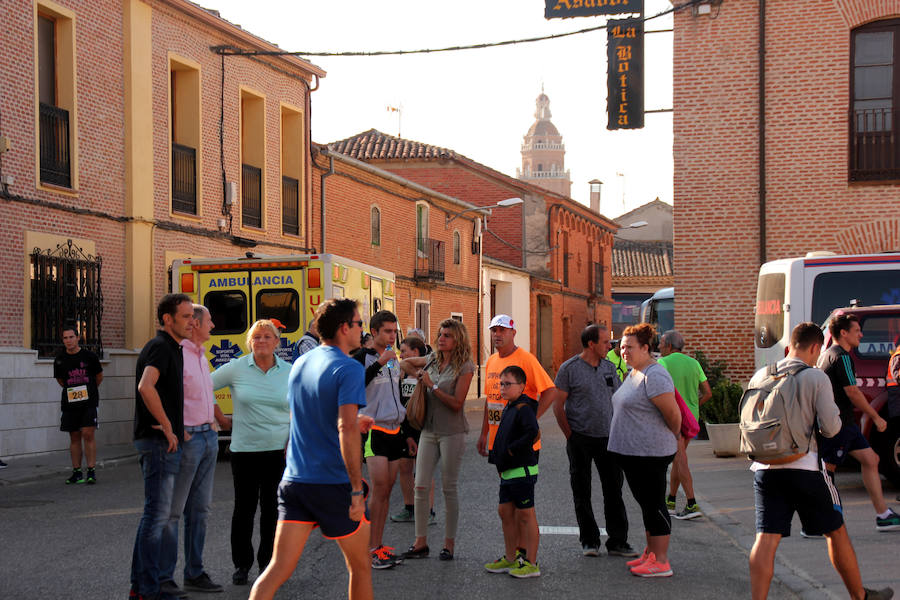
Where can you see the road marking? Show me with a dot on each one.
(556, 530)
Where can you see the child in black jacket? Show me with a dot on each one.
(516, 461)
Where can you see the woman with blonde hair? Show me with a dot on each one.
(446, 374)
(259, 433)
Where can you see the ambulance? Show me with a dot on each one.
(239, 291)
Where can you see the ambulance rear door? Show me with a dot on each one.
(278, 294)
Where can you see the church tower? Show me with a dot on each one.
(543, 153)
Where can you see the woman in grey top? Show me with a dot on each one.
(446, 375)
(643, 437)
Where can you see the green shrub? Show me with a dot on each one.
(724, 406)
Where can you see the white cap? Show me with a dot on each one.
(502, 321)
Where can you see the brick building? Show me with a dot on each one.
(127, 134)
(815, 170)
(563, 245)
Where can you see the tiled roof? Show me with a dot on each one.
(374, 145)
(642, 259)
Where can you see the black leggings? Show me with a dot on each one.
(646, 476)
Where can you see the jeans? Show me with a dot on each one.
(448, 449)
(584, 450)
(256, 478)
(192, 497)
(159, 469)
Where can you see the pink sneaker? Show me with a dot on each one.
(652, 568)
(639, 560)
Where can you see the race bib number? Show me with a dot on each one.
(407, 386)
(495, 411)
(77, 394)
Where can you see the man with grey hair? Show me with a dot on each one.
(690, 381)
(583, 409)
(194, 483)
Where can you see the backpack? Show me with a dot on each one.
(771, 422)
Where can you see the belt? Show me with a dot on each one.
(518, 472)
(198, 428)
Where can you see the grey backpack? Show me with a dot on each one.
(772, 428)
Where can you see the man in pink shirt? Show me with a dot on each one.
(194, 482)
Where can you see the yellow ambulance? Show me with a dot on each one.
(239, 291)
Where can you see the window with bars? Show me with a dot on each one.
(456, 243)
(251, 196)
(290, 206)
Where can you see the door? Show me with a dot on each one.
(545, 332)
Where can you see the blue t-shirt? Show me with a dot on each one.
(321, 380)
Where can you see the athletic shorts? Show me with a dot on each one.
(390, 445)
(74, 419)
(811, 494)
(323, 505)
(835, 450)
(519, 491)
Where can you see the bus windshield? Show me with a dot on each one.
(769, 326)
(839, 288)
(662, 314)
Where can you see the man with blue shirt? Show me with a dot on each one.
(322, 485)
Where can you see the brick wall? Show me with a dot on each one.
(810, 205)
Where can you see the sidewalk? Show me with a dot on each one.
(58, 464)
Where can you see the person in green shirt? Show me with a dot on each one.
(616, 359)
(690, 381)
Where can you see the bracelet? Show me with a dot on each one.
(357, 493)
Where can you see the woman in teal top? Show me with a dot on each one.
(259, 433)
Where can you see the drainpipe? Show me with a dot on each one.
(762, 131)
(326, 174)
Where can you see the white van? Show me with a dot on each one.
(794, 290)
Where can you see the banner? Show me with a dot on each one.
(625, 74)
(563, 9)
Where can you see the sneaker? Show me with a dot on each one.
(76, 477)
(692, 511)
(501, 565)
(91, 477)
(202, 583)
(170, 587)
(3, 465)
(639, 560)
(621, 549)
(404, 516)
(383, 558)
(652, 568)
(520, 554)
(882, 594)
(891, 523)
(241, 576)
(670, 506)
(590, 549)
(526, 569)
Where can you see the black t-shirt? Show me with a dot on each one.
(838, 365)
(78, 372)
(163, 353)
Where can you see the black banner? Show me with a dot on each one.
(563, 9)
(625, 75)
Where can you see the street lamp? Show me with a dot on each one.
(501, 204)
(635, 225)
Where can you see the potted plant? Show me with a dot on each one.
(721, 413)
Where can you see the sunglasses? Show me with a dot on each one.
(351, 323)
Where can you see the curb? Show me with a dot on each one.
(50, 472)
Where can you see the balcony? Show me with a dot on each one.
(184, 179)
(55, 163)
(874, 152)
(429, 260)
(251, 196)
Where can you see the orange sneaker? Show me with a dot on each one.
(639, 560)
(652, 568)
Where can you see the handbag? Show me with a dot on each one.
(415, 407)
(689, 426)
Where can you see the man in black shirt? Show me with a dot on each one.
(837, 364)
(79, 373)
(158, 430)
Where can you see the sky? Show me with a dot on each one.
(479, 103)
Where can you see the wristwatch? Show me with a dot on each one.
(434, 388)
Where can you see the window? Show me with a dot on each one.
(455, 247)
(423, 311)
(56, 95)
(228, 311)
(283, 305)
(875, 89)
(880, 335)
(253, 127)
(375, 218)
(837, 289)
(769, 326)
(292, 150)
(565, 251)
(421, 227)
(184, 98)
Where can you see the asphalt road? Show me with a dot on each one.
(75, 542)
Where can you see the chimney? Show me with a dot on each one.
(595, 184)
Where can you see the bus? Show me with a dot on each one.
(659, 311)
(794, 290)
